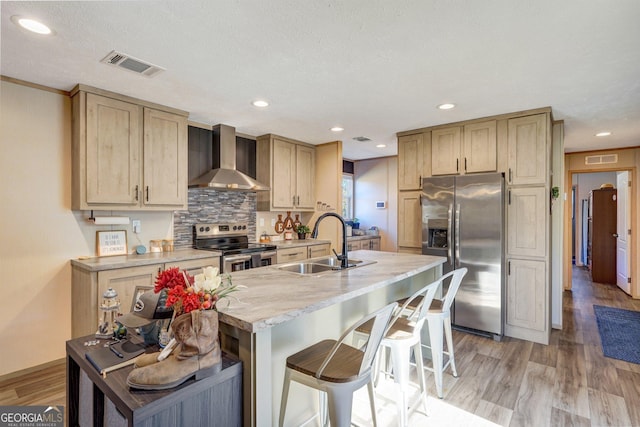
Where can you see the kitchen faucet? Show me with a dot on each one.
(344, 260)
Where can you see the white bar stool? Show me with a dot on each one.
(402, 337)
(439, 321)
(338, 370)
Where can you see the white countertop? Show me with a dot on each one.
(273, 296)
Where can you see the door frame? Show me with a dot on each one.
(625, 163)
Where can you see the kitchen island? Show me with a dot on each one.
(280, 312)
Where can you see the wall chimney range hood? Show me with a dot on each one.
(227, 177)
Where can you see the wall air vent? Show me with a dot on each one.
(128, 62)
(601, 159)
(362, 138)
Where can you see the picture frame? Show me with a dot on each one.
(110, 243)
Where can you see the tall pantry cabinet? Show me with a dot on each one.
(518, 145)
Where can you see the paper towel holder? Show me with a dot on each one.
(108, 220)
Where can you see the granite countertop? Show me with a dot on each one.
(273, 296)
(282, 244)
(132, 260)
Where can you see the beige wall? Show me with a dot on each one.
(377, 180)
(39, 233)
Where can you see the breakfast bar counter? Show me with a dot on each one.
(276, 313)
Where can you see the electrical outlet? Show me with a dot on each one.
(261, 222)
(136, 225)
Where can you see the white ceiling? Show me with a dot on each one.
(374, 67)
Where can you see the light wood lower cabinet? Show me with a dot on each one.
(315, 251)
(298, 253)
(88, 287)
(527, 300)
(354, 245)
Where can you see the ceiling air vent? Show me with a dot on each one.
(122, 60)
(362, 138)
(601, 159)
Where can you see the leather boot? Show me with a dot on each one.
(198, 354)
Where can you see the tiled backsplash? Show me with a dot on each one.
(213, 206)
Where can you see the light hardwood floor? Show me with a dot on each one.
(508, 383)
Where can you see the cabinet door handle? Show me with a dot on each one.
(419, 180)
(293, 200)
(509, 193)
(510, 175)
(147, 191)
(509, 268)
(465, 164)
(137, 191)
(457, 165)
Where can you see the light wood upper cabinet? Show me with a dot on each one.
(527, 148)
(165, 158)
(464, 149)
(527, 221)
(412, 160)
(289, 168)
(445, 151)
(113, 142)
(479, 147)
(127, 155)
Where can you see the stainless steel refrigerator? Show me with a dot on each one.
(462, 219)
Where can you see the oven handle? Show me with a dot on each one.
(235, 258)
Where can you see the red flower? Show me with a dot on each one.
(170, 278)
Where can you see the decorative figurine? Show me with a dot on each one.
(109, 308)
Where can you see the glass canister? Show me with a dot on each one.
(167, 245)
(155, 246)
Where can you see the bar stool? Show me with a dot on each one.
(439, 320)
(402, 337)
(338, 369)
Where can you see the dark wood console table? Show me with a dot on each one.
(94, 400)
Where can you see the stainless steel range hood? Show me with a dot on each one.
(227, 177)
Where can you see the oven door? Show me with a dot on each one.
(266, 258)
(233, 263)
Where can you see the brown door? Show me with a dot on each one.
(604, 217)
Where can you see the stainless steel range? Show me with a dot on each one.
(232, 240)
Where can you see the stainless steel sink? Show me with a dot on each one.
(306, 268)
(320, 265)
(334, 262)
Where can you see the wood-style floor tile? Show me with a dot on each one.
(495, 413)
(630, 384)
(560, 418)
(533, 406)
(608, 409)
(504, 387)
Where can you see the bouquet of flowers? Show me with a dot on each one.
(186, 293)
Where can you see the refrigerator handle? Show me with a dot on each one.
(457, 234)
(450, 226)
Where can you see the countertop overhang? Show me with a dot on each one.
(271, 296)
(121, 261)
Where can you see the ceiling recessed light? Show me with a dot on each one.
(605, 133)
(446, 106)
(337, 129)
(260, 103)
(381, 145)
(31, 25)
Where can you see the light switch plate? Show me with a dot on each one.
(136, 224)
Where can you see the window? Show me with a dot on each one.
(347, 196)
